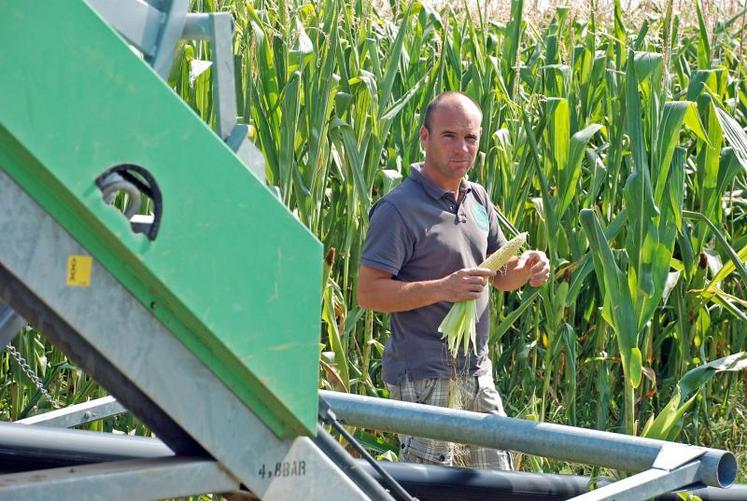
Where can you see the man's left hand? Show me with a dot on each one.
(536, 265)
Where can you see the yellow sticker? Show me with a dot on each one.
(79, 271)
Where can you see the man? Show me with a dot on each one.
(424, 243)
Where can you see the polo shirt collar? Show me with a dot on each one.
(431, 188)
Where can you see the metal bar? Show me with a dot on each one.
(673, 455)
(133, 479)
(645, 485)
(224, 83)
(137, 21)
(327, 416)
(10, 324)
(197, 27)
(675, 467)
(246, 151)
(579, 445)
(140, 23)
(82, 353)
(78, 414)
(169, 37)
(218, 30)
(345, 462)
(153, 32)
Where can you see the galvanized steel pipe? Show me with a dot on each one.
(34, 442)
(576, 445)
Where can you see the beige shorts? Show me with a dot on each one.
(478, 394)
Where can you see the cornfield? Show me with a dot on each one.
(620, 149)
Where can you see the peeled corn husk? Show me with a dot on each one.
(458, 326)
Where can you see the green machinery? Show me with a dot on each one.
(202, 317)
(222, 263)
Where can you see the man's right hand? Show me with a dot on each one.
(464, 284)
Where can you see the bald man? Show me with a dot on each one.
(425, 241)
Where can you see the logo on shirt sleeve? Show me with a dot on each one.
(480, 215)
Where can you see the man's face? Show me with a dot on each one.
(454, 136)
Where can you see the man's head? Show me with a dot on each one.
(450, 136)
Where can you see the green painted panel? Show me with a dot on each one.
(232, 273)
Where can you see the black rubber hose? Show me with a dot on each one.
(442, 483)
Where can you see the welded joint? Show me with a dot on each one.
(672, 456)
(675, 466)
(646, 484)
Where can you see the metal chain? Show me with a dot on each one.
(26, 368)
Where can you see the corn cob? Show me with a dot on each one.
(458, 326)
(499, 258)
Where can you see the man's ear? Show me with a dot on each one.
(424, 134)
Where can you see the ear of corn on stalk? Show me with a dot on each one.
(458, 326)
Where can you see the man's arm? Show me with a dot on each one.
(379, 291)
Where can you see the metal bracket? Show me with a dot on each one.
(246, 151)
(675, 467)
(78, 414)
(153, 32)
(672, 456)
(155, 478)
(137, 21)
(169, 37)
(224, 84)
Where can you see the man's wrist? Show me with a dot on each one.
(436, 289)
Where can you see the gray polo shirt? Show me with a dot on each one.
(417, 232)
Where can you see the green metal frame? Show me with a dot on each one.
(232, 273)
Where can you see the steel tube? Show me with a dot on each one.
(154, 478)
(63, 447)
(577, 445)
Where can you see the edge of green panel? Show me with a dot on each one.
(92, 234)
